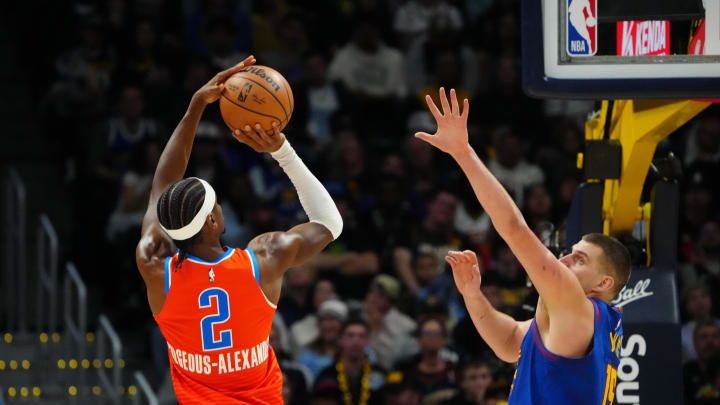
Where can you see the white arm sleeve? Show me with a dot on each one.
(315, 200)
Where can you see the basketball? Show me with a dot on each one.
(256, 94)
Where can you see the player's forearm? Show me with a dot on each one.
(314, 198)
(501, 208)
(174, 159)
(496, 328)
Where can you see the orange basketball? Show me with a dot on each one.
(256, 94)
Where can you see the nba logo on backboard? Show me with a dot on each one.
(582, 27)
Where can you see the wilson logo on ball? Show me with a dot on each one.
(261, 74)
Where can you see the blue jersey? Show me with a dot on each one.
(544, 378)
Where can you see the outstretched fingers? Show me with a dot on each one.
(466, 109)
(444, 102)
(225, 74)
(453, 99)
(433, 108)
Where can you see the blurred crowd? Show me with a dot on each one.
(375, 318)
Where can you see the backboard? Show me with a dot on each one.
(619, 49)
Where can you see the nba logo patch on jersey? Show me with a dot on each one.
(211, 275)
(582, 27)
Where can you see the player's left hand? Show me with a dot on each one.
(210, 92)
(451, 136)
(257, 139)
(466, 272)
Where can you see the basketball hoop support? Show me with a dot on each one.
(639, 125)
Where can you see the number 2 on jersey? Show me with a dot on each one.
(223, 314)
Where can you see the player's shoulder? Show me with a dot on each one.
(606, 312)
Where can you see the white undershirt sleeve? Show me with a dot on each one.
(315, 200)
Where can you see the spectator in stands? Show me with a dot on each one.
(321, 352)
(78, 96)
(512, 279)
(294, 301)
(327, 396)
(558, 156)
(369, 68)
(434, 284)
(207, 161)
(703, 141)
(316, 100)
(287, 58)
(135, 191)
(441, 60)
(306, 330)
(538, 206)
(352, 377)
(393, 205)
(294, 374)
(351, 270)
(698, 307)
(565, 192)
(115, 141)
(236, 203)
(705, 267)
(402, 392)
(194, 73)
(351, 261)
(436, 234)
(265, 20)
(475, 377)
(414, 19)
(510, 166)
(220, 32)
(147, 58)
(509, 103)
(696, 211)
(471, 220)
(350, 173)
(197, 13)
(698, 374)
(465, 336)
(88, 68)
(420, 160)
(387, 325)
(432, 371)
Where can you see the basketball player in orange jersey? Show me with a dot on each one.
(215, 304)
(568, 353)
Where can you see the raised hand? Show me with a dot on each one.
(451, 136)
(257, 139)
(466, 272)
(210, 92)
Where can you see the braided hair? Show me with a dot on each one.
(177, 207)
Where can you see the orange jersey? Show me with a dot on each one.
(217, 321)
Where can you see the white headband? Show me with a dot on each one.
(189, 230)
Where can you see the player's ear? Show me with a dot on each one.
(607, 283)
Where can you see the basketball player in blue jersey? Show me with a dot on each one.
(568, 353)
